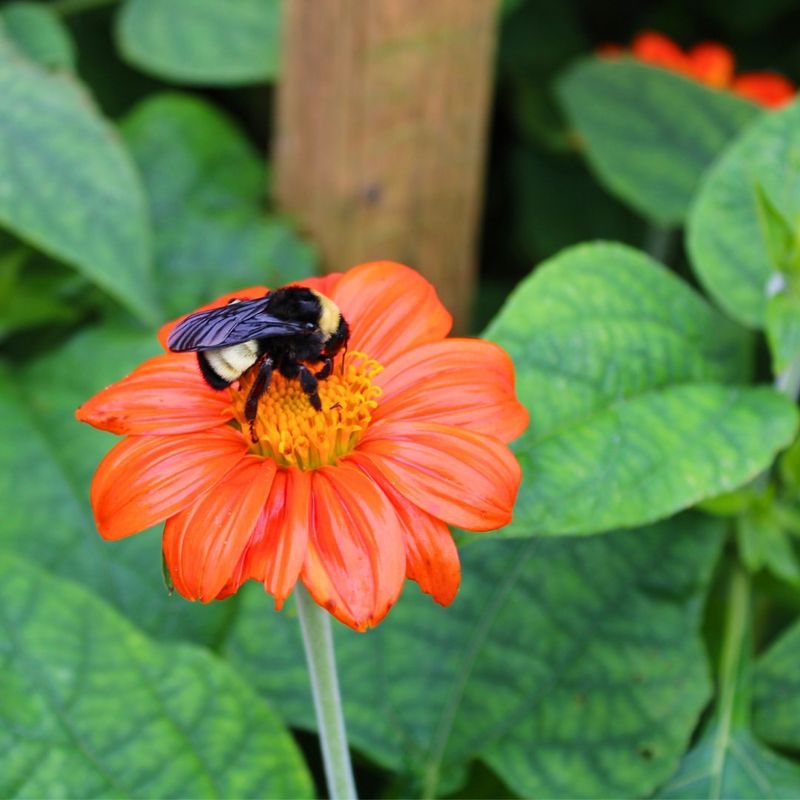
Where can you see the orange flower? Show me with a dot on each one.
(659, 50)
(709, 63)
(765, 88)
(351, 500)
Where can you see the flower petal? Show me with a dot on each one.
(145, 479)
(249, 293)
(166, 394)
(204, 542)
(765, 88)
(655, 48)
(390, 309)
(464, 478)
(324, 284)
(466, 383)
(276, 550)
(355, 564)
(431, 554)
(712, 64)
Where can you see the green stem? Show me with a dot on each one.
(315, 624)
(788, 381)
(734, 694)
(66, 8)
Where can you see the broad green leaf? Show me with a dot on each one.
(783, 328)
(572, 666)
(206, 188)
(202, 41)
(47, 460)
(68, 186)
(749, 200)
(93, 708)
(649, 134)
(647, 457)
(39, 33)
(621, 365)
(776, 694)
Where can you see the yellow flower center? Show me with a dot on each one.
(289, 430)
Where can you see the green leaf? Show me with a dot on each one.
(618, 361)
(202, 41)
(39, 33)
(728, 761)
(733, 767)
(783, 328)
(776, 692)
(645, 458)
(47, 460)
(67, 184)
(649, 133)
(572, 666)
(764, 544)
(745, 224)
(789, 466)
(206, 187)
(92, 708)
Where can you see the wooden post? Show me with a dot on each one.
(381, 135)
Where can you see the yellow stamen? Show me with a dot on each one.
(289, 430)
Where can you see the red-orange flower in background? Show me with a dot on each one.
(351, 500)
(710, 63)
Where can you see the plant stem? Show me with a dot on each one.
(733, 704)
(67, 8)
(788, 381)
(318, 641)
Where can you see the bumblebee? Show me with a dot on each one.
(284, 330)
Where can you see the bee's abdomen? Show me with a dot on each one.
(223, 365)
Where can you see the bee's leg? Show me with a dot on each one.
(260, 385)
(327, 368)
(309, 384)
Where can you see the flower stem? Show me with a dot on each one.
(318, 641)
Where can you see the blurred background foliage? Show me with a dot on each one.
(569, 666)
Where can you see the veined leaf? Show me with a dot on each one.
(622, 367)
(202, 41)
(650, 134)
(206, 187)
(572, 666)
(92, 708)
(67, 185)
(745, 224)
(39, 33)
(776, 693)
(47, 460)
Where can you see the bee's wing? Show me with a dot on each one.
(228, 325)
